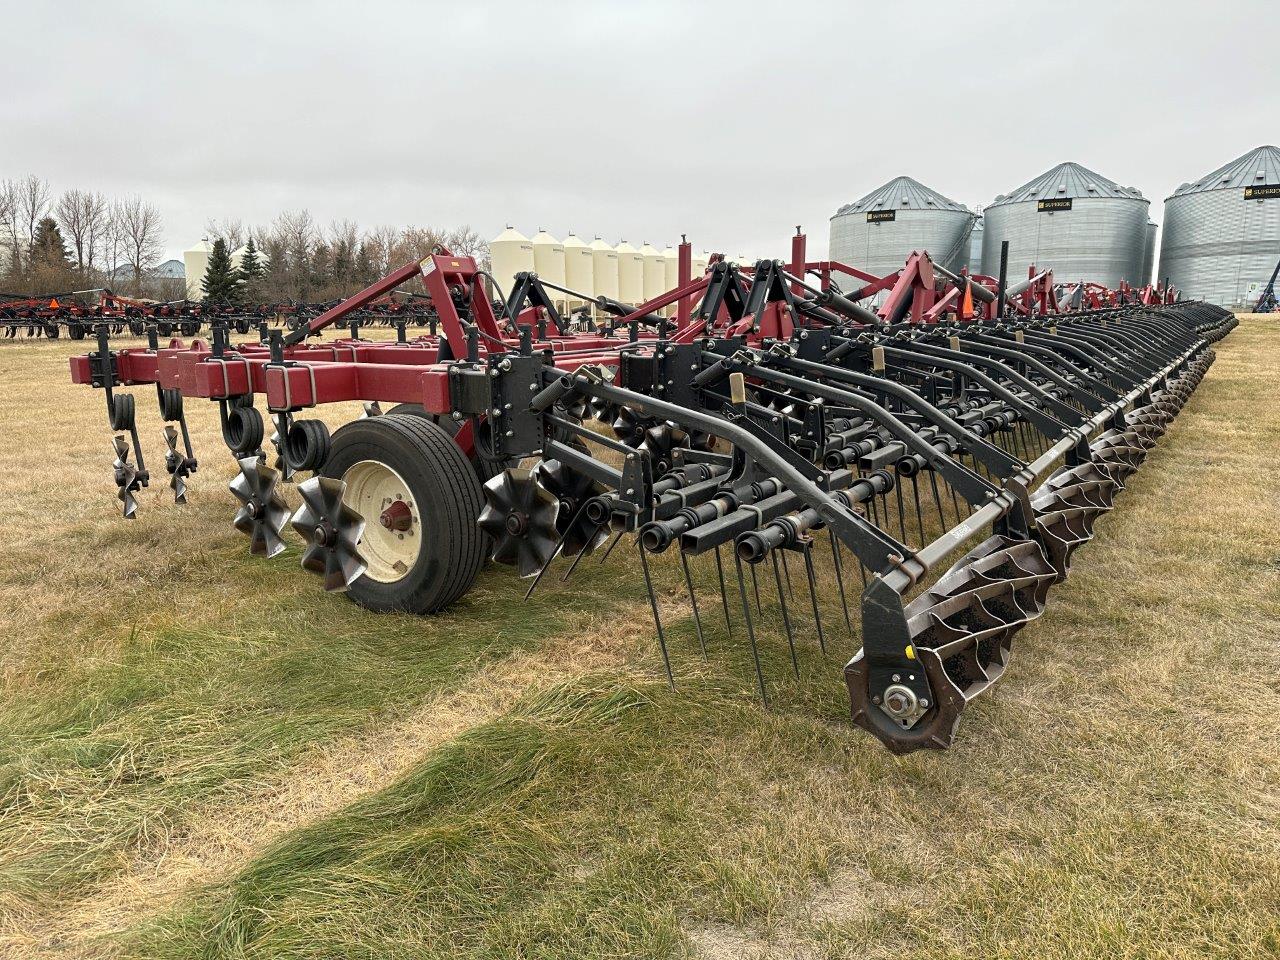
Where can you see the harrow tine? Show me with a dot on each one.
(751, 633)
(609, 549)
(786, 573)
(755, 586)
(915, 496)
(693, 602)
(838, 566)
(786, 617)
(813, 595)
(657, 619)
(724, 595)
(586, 548)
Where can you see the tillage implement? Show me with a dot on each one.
(909, 465)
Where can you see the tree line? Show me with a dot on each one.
(296, 259)
(83, 240)
(80, 239)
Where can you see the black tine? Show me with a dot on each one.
(813, 596)
(657, 620)
(555, 552)
(755, 585)
(609, 549)
(786, 573)
(586, 544)
(839, 570)
(724, 596)
(786, 616)
(937, 498)
(693, 602)
(915, 496)
(751, 633)
(897, 493)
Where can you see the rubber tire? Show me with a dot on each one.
(447, 424)
(485, 470)
(449, 499)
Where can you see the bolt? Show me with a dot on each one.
(896, 678)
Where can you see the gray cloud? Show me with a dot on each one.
(729, 122)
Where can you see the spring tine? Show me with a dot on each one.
(751, 633)
(786, 572)
(609, 549)
(786, 616)
(554, 553)
(937, 498)
(915, 496)
(693, 602)
(724, 596)
(657, 620)
(839, 569)
(813, 596)
(586, 544)
(897, 493)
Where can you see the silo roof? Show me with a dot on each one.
(1068, 180)
(1260, 165)
(902, 193)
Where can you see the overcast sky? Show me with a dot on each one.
(730, 122)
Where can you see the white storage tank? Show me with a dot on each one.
(700, 262)
(655, 271)
(579, 269)
(630, 274)
(604, 269)
(510, 252)
(195, 262)
(548, 262)
(671, 260)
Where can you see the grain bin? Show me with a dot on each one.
(1148, 254)
(195, 263)
(877, 233)
(604, 269)
(579, 269)
(671, 261)
(548, 262)
(1222, 232)
(630, 274)
(655, 271)
(1072, 220)
(510, 252)
(975, 249)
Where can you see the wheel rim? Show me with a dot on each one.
(392, 537)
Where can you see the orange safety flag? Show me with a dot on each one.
(53, 304)
(966, 305)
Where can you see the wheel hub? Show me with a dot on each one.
(397, 517)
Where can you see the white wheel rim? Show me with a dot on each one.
(372, 488)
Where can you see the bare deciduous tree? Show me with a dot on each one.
(231, 231)
(32, 204)
(80, 214)
(140, 227)
(9, 260)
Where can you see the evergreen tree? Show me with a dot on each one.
(252, 272)
(48, 248)
(221, 283)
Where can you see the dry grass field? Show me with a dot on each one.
(201, 754)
